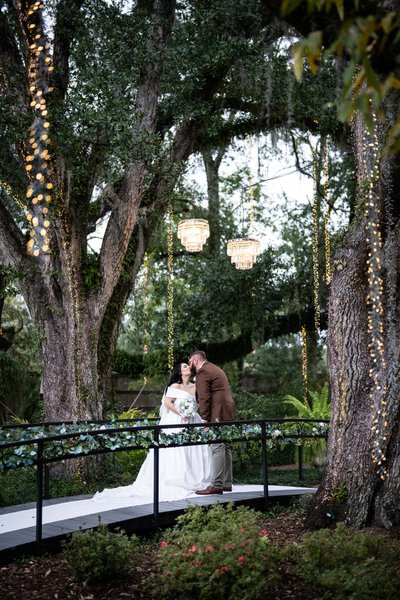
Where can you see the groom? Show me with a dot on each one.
(215, 404)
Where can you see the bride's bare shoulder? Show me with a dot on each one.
(176, 386)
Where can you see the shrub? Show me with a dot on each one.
(215, 554)
(345, 563)
(98, 554)
(258, 406)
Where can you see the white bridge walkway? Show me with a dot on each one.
(63, 516)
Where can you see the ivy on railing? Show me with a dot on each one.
(89, 438)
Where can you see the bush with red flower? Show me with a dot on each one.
(214, 554)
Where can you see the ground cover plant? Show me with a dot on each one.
(344, 563)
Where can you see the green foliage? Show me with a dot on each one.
(86, 438)
(365, 39)
(91, 271)
(257, 406)
(126, 363)
(344, 563)
(215, 554)
(98, 554)
(17, 486)
(339, 495)
(318, 408)
(19, 390)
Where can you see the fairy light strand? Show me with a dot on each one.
(315, 257)
(375, 267)
(37, 159)
(146, 271)
(304, 362)
(170, 286)
(327, 216)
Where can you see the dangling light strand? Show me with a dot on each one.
(375, 267)
(327, 237)
(170, 286)
(146, 271)
(38, 159)
(315, 253)
(304, 363)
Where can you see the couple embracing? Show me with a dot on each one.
(204, 469)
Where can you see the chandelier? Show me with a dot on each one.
(243, 252)
(193, 233)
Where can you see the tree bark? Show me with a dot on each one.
(212, 165)
(356, 398)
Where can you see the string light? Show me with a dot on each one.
(375, 267)
(304, 362)
(315, 254)
(327, 237)
(7, 187)
(37, 159)
(146, 271)
(170, 286)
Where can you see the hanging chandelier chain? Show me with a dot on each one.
(170, 286)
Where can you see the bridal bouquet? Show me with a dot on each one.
(186, 407)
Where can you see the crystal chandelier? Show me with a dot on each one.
(243, 252)
(193, 233)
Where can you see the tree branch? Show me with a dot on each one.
(67, 19)
(125, 212)
(12, 243)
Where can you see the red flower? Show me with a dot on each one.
(229, 546)
(209, 549)
(263, 532)
(192, 549)
(223, 569)
(241, 559)
(163, 544)
(242, 528)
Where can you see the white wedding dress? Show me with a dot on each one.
(182, 469)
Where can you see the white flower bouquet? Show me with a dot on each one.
(186, 407)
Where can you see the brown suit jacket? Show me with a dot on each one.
(214, 395)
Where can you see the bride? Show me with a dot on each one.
(182, 469)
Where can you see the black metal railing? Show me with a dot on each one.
(42, 462)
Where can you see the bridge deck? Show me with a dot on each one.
(63, 516)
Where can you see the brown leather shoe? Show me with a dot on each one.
(227, 488)
(209, 490)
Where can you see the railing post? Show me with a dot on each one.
(156, 475)
(39, 493)
(264, 462)
(301, 470)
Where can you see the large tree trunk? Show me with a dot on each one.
(365, 383)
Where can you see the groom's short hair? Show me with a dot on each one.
(199, 353)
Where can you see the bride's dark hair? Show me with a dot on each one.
(176, 376)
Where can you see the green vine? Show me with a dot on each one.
(86, 441)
